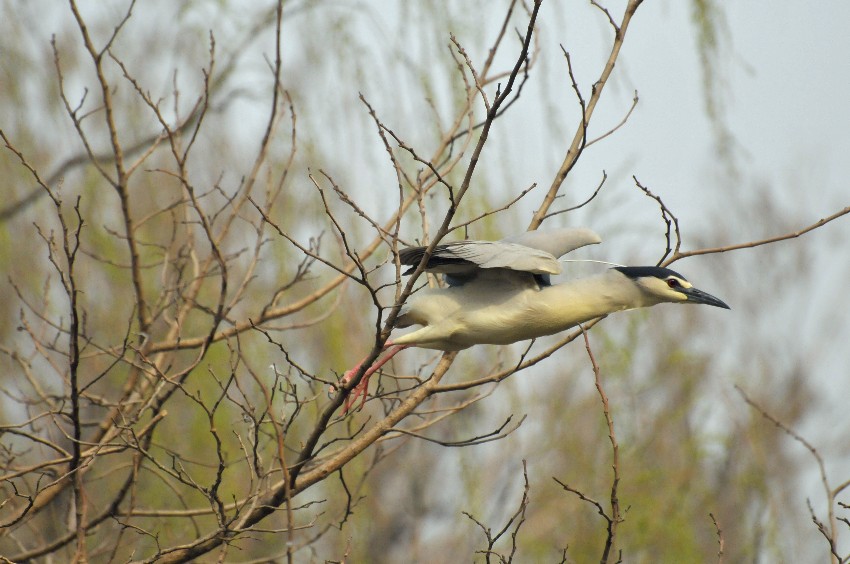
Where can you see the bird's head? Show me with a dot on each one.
(665, 285)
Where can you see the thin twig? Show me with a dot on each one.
(720, 541)
(829, 532)
(616, 518)
(668, 218)
(579, 141)
(760, 242)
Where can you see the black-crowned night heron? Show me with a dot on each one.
(498, 292)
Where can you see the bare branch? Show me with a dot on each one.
(584, 203)
(752, 244)
(828, 532)
(668, 218)
(580, 137)
(719, 539)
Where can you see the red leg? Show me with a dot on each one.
(362, 388)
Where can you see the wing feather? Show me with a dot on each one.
(465, 257)
(532, 251)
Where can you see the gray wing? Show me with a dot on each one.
(556, 242)
(466, 257)
(534, 252)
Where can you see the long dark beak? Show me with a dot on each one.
(699, 297)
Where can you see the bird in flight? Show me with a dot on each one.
(499, 292)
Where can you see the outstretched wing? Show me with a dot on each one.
(464, 258)
(556, 242)
(535, 252)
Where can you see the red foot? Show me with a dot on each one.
(362, 388)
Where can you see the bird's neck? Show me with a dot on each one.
(577, 301)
